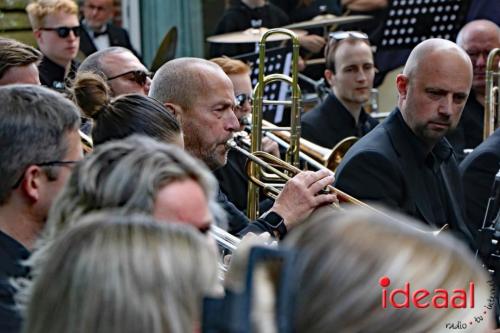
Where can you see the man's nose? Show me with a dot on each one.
(231, 123)
(446, 105)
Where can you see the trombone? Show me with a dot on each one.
(292, 153)
(492, 96)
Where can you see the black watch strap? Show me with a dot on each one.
(275, 222)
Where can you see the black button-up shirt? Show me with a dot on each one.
(330, 122)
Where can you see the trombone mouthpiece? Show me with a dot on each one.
(231, 143)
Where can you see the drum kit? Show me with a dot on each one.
(254, 35)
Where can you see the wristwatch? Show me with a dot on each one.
(275, 222)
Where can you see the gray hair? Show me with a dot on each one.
(176, 80)
(128, 174)
(33, 124)
(343, 255)
(95, 63)
(119, 273)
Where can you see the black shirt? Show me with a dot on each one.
(330, 122)
(52, 75)
(11, 255)
(240, 17)
(469, 131)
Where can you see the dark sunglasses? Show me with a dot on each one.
(63, 32)
(138, 76)
(242, 98)
(50, 163)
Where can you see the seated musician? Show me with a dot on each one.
(202, 97)
(478, 172)
(18, 62)
(232, 177)
(245, 14)
(123, 71)
(477, 38)
(350, 72)
(406, 162)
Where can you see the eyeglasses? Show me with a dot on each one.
(45, 164)
(63, 32)
(242, 98)
(341, 35)
(138, 76)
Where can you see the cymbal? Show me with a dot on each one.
(251, 35)
(166, 51)
(326, 20)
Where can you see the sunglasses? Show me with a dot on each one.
(63, 32)
(242, 98)
(138, 76)
(45, 164)
(341, 35)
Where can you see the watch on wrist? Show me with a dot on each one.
(275, 222)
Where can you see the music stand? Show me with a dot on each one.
(278, 60)
(410, 22)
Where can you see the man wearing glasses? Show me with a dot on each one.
(57, 32)
(124, 72)
(477, 38)
(350, 72)
(39, 145)
(98, 32)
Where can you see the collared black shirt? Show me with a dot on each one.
(52, 75)
(11, 255)
(469, 131)
(330, 122)
(430, 166)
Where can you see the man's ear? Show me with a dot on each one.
(402, 85)
(37, 33)
(32, 182)
(175, 109)
(330, 77)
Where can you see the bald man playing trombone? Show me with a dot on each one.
(406, 162)
(201, 96)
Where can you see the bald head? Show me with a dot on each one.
(433, 89)
(434, 48)
(477, 39)
(180, 80)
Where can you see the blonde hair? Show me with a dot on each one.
(342, 257)
(39, 9)
(231, 66)
(119, 273)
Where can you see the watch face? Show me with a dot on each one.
(274, 218)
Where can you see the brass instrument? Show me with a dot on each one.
(292, 153)
(492, 95)
(316, 155)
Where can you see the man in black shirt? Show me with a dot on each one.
(201, 96)
(406, 162)
(477, 38)
(39, 145)
(57, 32)
(350, 72)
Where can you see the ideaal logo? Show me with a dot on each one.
(438, 299)
(423, 298)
